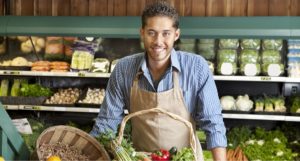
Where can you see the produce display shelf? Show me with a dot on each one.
(107, 75)
(96, 110)
(261, 117)
(54, 74)
(256, 78)
(52, 108)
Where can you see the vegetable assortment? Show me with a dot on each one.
(260, 144)
(126, 152)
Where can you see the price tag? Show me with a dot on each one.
(81, 74)
(15, 72)
(265, 78)
(36, 108)
(28, 107)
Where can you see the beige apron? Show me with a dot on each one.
(153, 131)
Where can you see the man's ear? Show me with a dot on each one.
(142, 33)
(177, 34)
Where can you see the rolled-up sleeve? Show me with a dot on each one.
(112, 109)
(209, 111)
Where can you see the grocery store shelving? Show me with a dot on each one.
(54, 74)
(256, 79)
(96, 110)
(261, 117)
(107, 75)
(51, 108)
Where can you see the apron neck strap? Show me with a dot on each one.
(175, 76)
(176, 79)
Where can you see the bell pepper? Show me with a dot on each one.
(161, 155)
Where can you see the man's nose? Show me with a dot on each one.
(158, 38)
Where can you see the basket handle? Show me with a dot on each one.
(193, 143)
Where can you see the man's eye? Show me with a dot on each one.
(151, 33)
(166, 34)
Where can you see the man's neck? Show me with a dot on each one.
(157, 69)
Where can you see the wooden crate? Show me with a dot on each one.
(73, 137)
(12, 145)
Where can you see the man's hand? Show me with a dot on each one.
(219, 154)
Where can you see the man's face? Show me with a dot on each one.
(159, 36)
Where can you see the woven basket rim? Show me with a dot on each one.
(80, 132)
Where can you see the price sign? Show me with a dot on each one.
(81, 74)
(28, 107)
(15, 72)
(36, 108)
(265, 78)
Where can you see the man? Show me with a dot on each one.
(176, 81)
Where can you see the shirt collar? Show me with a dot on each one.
(174, 62)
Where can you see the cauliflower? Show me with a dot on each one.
(19, 61)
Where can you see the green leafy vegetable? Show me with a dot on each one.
(272, 44)
(249, 56)
(15, 89)
(35, 90)
(4, 87)
(238, 135)
(184, 154)
(229, 43)
(250, 44)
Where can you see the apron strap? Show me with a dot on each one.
(176, 79)
(175, 76)
(135, 84)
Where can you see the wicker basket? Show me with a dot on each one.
(73, 137)
(117, 143)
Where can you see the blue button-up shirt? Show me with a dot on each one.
(197, 84)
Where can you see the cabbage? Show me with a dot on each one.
(249, 56)
(228, 103)
(206, 46)
(227, 55)
(187, 47)
(243, 103)
(250, 44)
(187, 41)
(207, 41)
(272, 44)
(208, 54)
(271, 56)
(229, 43)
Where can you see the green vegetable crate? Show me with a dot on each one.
(12, 145)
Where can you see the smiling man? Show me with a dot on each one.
(175, 81)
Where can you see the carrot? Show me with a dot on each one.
(229, 154)
(240, 155)
(236, 152)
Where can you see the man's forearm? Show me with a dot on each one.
(219, 154)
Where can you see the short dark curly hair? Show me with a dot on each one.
(160, 8)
